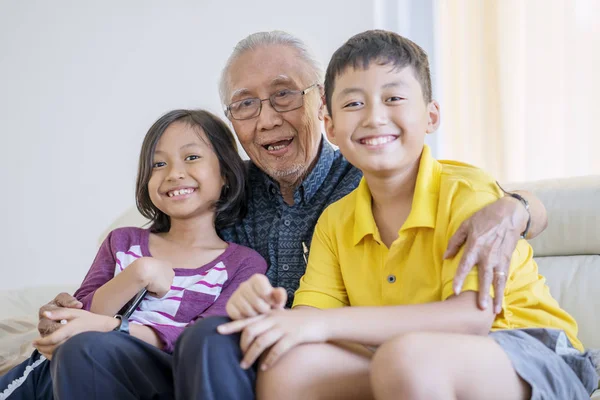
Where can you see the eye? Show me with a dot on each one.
(192, 157)
(283, 93)
(246, 103)
(394, 99)
(353, 104)
(159, 164)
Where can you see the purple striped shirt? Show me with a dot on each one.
(195, 293)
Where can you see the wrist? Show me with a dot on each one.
(111, 324)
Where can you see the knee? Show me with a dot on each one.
(403, 366)
(79, 349)
(292, 375)
(202, 336)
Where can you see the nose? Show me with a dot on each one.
(376, 115)
(268, 118)
(176, 172)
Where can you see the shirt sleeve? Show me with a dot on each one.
(322, 286)
(464, 205)
(101, 271)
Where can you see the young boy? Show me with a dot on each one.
(380, 250)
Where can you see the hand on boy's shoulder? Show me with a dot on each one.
(254, 297)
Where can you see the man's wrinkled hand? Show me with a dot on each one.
(47, 326)
(489, 238)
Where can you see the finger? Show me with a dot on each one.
(47, 307)
(63, 313)
(257, 304)
(68, 301)
(57, 337)
(46, 350)
(261, 286)
(456, 241)
(237, 326)
(279, 297)
(499, 285)
(252, 331)
(508, 247)
(47, 327)
(467, 261)
(486, 274)
(260, 344)
(279, 349)
(242, 309)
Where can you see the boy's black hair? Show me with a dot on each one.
(232, 204)
(381, 47)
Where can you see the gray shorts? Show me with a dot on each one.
(546, 360)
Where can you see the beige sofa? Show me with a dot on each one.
(568, 255)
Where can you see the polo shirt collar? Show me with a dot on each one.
(424, 207)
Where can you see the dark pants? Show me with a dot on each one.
(29, 380)
(94, 365)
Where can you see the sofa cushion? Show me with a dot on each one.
(574, 282)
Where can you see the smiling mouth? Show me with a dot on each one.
(378, 140)
(279, 145)
(180, 192)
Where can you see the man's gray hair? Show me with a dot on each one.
(259, 39)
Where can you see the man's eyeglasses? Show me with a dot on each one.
(282, 101)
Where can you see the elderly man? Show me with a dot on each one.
(271, 89)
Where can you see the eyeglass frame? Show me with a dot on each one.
(301, 92)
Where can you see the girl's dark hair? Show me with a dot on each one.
(232, 205)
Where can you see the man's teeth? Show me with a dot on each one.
(378, 140)
(278, 147)
(180, 192)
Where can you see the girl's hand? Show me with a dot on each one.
(254, 297)
(281, 330)
(77, 321)
(158, 275)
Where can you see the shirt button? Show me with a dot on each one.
(285, 267)
(286, 222)
(273, 190)
(391, 278)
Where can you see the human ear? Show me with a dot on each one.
(434, 117)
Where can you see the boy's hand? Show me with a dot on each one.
(279, 330)
(158, 275)
(490, 237)
(77, 321)
(254, 297)
(62, 300)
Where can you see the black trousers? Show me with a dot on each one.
(94, 365)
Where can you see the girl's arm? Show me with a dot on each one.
(146, 272)
(250, 265)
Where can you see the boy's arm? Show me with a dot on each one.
(458, 314)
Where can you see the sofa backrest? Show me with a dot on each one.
(568, 251)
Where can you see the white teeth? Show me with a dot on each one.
(378, 140)
(271, 147)
(179, 192)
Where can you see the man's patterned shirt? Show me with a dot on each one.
(277, 230)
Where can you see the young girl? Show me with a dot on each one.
(191, 182)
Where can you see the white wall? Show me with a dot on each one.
(80, 84)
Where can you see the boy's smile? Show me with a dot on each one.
(379, 118)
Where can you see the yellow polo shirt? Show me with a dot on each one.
(349, 265)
